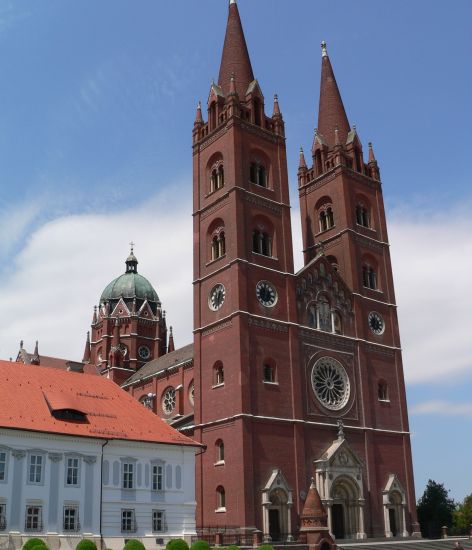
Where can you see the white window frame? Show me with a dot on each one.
(4, 464)
(68, 467)
(158, 516)
(125, 520)
(76, 523)
(157, 477)
(32, 479)
(30, 518)
(127, 479)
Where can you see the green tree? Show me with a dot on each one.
(463, 516)
(435, 509)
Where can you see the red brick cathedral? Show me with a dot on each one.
(292, 376)
(297, 374)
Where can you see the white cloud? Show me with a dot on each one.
(442, 408)
(59, 275)
(14, 223)
(432, 266)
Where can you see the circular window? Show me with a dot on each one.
(144, 352)
(168, 400)
(330, 383)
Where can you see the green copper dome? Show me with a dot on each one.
(130, 285)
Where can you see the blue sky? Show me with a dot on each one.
(96, 109)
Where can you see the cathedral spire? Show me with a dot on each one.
(86, 358)
(331, 113)
(235, 58)
(171, 346)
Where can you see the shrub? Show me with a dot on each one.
(86, 544)
(31, 543)
(40, 547)
(200, 545)
(266, 547)
(134, 544)
(177, 544)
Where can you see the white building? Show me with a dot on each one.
(79, 457)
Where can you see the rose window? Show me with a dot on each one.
(168, 401)
(330, 383)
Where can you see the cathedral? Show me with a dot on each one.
(293, 379)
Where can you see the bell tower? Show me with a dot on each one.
(243, 269)
(344, 223)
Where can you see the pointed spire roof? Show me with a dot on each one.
(302, 163)
(235, 59)
(86, 358)
(313, 507)
(331, 109)
(171, 346)
(371, 152)
(198, 116)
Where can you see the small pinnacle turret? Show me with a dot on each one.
(86, 358)
(276, 106)
(302, 163)
(198, 116)
(171, 346)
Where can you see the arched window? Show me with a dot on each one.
(337, 323)
(369, 277)
(362, 215)
(324, 315)
(258, 174)
(218, 374)
(324, 208)
(214, 180)
(382, 391)
(220, 451)
(168, 400)
(218, 241)
(221, 177)
(220, 499)
(261, 243)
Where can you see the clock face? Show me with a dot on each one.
(144, 352)
(376, 323)
(217, 297)
(266, 294)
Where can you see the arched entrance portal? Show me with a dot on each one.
(345, 508)
(394, 501)
(278, 514)
(276, 508)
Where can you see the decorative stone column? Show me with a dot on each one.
(361, 530)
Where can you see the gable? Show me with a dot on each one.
(317, 283)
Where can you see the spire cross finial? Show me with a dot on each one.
(324, 49)
(232, 2)
(132, 246)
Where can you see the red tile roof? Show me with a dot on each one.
(28, 394)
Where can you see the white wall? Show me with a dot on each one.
(177, 499)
